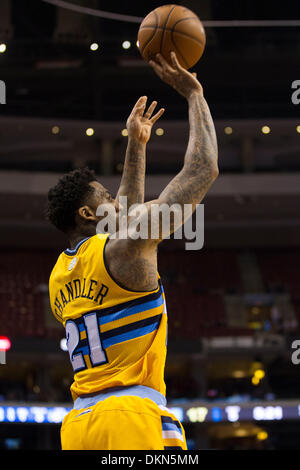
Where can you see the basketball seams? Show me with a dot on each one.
(164, 27)
(154, 31)
(177, 49)
(186, 18)
(179, 33)
(170, 30)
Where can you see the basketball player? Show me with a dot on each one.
(107, 293)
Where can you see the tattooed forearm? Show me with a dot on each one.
(200, 167)
(202, 147)
(133, 177)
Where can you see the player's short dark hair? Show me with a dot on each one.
(67, 196)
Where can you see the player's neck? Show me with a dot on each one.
(76, 237)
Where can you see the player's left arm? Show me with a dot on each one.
(139, 125)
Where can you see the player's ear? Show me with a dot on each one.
(87, 213)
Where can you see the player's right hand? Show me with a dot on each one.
(175, 75)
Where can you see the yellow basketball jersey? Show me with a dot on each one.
(115, 336)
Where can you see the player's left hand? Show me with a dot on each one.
(140, 123)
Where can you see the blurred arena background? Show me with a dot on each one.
(234, 306)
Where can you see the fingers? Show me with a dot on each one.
(162, 67)
(151, 108)
(165, 70)
(157, 116)
(139, 106)
(175, 62)
(164, 64)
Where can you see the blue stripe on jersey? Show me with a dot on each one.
(171, 427)
(131, 331)
(131, 335)
(165, 420)
(126, 312)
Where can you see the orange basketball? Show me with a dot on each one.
(172, 28)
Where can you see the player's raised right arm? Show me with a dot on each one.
(200, 167)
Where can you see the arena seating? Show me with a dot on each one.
(281, 273)
(280, 269)
(204, 270)
(21, 300)
(195, 284)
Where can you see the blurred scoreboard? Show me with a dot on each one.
(39, 414)
(197, 413)
(233, 413)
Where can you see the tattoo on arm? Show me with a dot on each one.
(199, 171)
(133, 177)
(201, 159)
